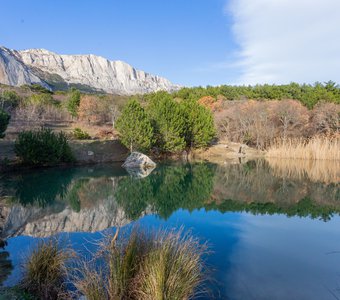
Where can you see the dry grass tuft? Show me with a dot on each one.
(172, 269)
(45, 270)
(125, 257)
(91, 282)
(316, 148)
(164, 265)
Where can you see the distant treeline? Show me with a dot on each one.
(308, 94)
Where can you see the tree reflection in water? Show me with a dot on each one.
(256, 187)
(6, 265)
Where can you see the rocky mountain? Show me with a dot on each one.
(86, 72)
(14, 72)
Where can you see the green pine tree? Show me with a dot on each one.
(169, 122)
(73, 102)
(200, 125)
(135, 127)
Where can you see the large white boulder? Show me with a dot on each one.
(139, 160)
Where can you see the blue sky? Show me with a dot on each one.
(190, 42)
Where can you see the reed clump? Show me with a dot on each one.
(159, 266)
(172, 268)
(317, 148)
(129, 266)
(45, 270)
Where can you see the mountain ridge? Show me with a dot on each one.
(60, 71)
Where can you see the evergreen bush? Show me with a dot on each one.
(43, 147)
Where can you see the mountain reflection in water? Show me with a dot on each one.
(266, 221)
(42, 202)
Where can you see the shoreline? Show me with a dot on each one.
(91, 152)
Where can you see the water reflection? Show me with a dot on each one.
(167, 190)
(257, 187)
(323, 171)
(248, 249)
(42, 202)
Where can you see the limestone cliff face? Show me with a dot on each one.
(44, 222)
(14, 72)
(116, 77)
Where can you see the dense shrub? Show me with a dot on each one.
(43, 147)
(9, 100)
(4, 120)
(80, 134)
(41, 99)
(211, 103)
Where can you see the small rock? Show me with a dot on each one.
(90, 153)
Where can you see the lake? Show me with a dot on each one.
(273, 227)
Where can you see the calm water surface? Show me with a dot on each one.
(273, 227)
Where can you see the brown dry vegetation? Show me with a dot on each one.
(318, 147)
(96, 113)
(261, 123)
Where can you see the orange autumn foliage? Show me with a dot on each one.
(210, 103)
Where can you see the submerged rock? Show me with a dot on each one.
(139, 160)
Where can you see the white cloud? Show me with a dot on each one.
(287, 40)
